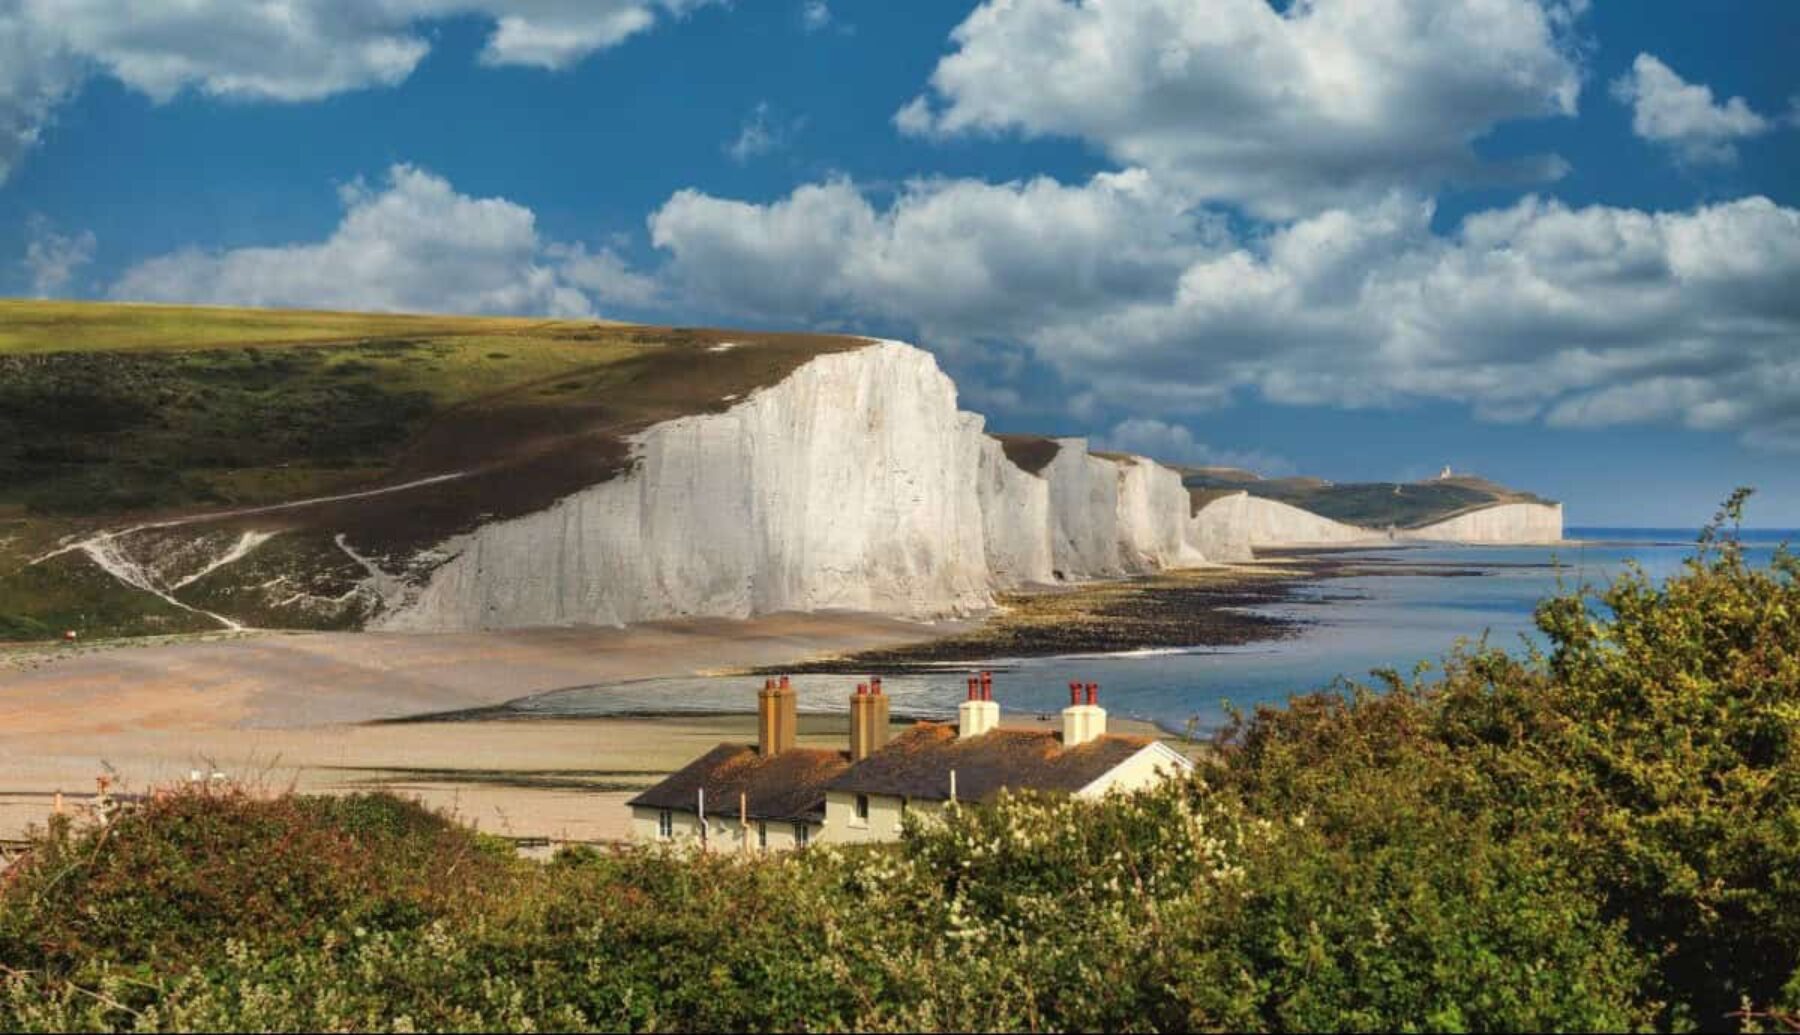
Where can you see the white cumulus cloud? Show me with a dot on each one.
(1327, 103)
(962, 258)
(1176, 444)
(413, 245)
(1668, 110)
(52, 258)
(272, 50)
(763, 131)
(37, 74)
(605, 275)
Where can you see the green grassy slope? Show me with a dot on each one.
(117, 415)
(28, 326)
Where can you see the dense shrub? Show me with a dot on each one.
(1652, 755)
(1601, 836)
(172, 883)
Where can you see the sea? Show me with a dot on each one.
(1413, 606)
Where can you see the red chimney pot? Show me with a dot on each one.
(1074, 693)
(875, 685)
(784, 682)
(862, 689)
(1093, 693)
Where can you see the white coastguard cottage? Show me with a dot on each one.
(775, 795)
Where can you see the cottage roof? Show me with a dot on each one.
(917, 763)
(787, 786)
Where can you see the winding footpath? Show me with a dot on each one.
(103, 548)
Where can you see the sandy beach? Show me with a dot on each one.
(280, 710)
(310, 711)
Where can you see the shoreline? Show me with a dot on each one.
(1184, 610)
(303, 710)
(425, 715)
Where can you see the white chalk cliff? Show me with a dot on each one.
(1503, 523)
(1273, 523)
(855, 483)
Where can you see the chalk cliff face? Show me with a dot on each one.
(1220, 529)
(1504, 523)
(1273, 523)
(1015, 518)
(1115, 515)
(1084, 512)
(854, 483)
(851, 484)
(1154, 523)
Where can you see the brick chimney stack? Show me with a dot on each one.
(979, 713)
(777, 717)
(1083, 719)
(868, 720)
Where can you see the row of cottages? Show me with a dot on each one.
(775, 795)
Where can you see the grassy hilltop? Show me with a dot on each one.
(117, 415)
(119, 408)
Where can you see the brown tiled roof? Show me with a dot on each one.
(917, 763)
(790, 785)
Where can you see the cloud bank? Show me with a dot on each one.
(1587, 316)
(1175, 444)
(1331, 123)
(1329, 103)
(414, 245)
(272, 50)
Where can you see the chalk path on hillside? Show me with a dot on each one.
(101, 548)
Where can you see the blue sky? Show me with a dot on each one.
(1550, 243)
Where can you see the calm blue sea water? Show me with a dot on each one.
(1353, 625)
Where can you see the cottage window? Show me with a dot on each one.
(762, 835)
(801, 834)
(862, 808)
(665, 824)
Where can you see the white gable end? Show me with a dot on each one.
(1147, 767)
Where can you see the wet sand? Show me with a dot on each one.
(280, 710)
